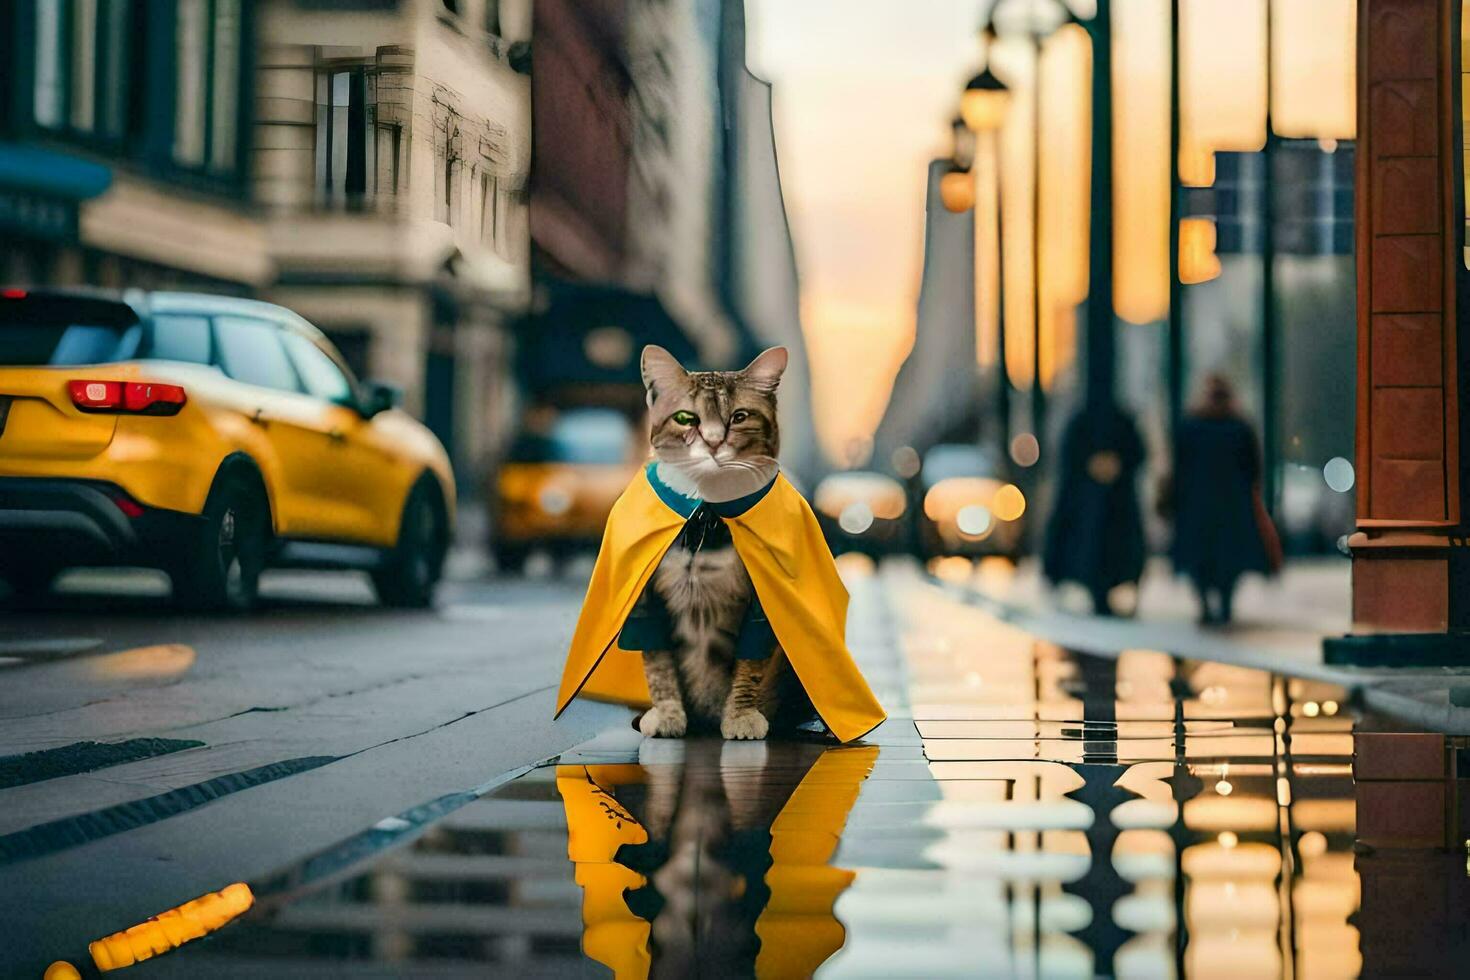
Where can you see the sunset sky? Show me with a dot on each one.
(863, 94)
(864, 90)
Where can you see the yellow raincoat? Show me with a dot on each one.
(781, 545)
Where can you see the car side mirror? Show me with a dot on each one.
(379, 396)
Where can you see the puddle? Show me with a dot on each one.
(1070, 816)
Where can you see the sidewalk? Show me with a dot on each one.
(1280, 625)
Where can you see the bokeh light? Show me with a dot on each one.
(1009, 503)
(1339, 474)
(974, 520)
(1312, 844)
(856, 517)
(1025, 450)
(906, 462)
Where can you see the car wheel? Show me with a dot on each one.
(222, 572)
(412, 569)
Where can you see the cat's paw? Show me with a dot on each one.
(747, 723)
(665, 720)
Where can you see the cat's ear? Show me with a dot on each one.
(661, 371)
(765, 371)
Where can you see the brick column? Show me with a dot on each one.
(1409, 267)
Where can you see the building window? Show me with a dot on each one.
(447, 201)
(490, 211)
(82, 81)
(50, 91)
(114, 66)
(225, 85)
(84, 65)
(191, 40)
(449, 169)
(207, 42)
(348, 141)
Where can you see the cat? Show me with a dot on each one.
(715, 437)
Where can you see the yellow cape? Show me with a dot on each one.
(798, 928)
(780, 543)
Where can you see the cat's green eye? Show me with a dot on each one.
(686, 418)
(739, 416)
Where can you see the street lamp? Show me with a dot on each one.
(983, 107)
(964, 143)
(957, 190)
(957, 186)
(984, 103)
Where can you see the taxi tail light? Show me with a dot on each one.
(130, 507)
(127, 397)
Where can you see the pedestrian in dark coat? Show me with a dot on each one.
(1221, 530)
(1095, 533)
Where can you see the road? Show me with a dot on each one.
(392, 787)
(285, 733)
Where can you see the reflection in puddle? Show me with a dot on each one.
(1045, 814)
(716, 865)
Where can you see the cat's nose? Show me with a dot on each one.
(712, 434)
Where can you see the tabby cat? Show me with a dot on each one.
(715, 438)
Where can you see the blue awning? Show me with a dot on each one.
(37, 171)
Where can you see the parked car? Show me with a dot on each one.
(564, 472)
(209, 437)
(969, 508)
(862, 511)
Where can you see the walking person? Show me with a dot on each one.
(1095, 533)
(1221, 528)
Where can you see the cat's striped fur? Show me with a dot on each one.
(715, 436)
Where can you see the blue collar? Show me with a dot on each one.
(686, 506)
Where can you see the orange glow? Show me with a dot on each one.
(1009, 503)
(1222, 83)
(987, 251)
(883, 494)
(1017, 159)
(957, 191)
(1197, 259)
(1314, 69)
(1141, 160)
(172, 929)
(167, 660)
(1066, 90)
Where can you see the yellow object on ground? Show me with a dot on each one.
(597, 825)
(781, 544)
(172, 929)
(61, 970)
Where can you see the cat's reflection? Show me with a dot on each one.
(697, 841)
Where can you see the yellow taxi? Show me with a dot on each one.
(557, 486)
(210, 437)
(968, 507)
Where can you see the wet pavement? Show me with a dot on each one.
(1026, 812)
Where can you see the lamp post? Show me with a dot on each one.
(983, 107)
(1035, 21)
(1176, 288)
(957, 186)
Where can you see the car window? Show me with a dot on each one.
(321, 375)
(180, 338)
(251, 351)
(65, 331)
(65, 344)
(592, 436)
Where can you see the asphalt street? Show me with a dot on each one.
(392, 787)
(265, 739)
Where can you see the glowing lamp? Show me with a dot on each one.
(984, 102)
(957, 191)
